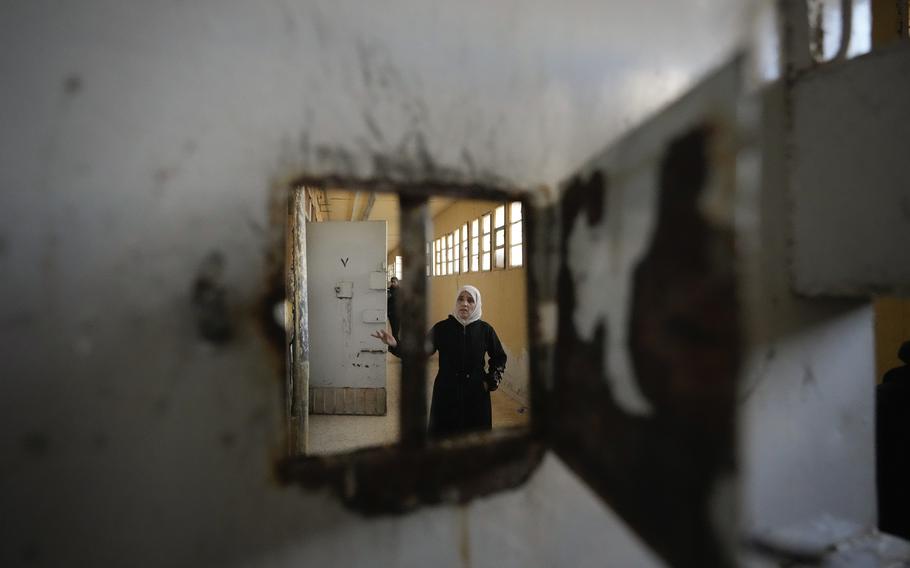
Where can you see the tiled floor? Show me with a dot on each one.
(332, 434)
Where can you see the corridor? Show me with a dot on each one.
(329, 434)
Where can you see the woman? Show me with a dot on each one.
(461, 392)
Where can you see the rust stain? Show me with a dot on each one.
(464, 533)
(276, 267)
(398, 479)
(593, 192)
(210, 301)
(683, 335)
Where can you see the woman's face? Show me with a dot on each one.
(465, 305)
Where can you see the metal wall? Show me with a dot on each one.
(850, 134)
(142, 150)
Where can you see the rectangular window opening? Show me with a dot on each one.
(341, 294)
(516, 258)
(347, 269)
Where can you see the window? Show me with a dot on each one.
(440, 266)
(515, 235)
(316, 457)
(493, 240)
(485, 242)
(475, 245)
(456, 250)
(499, 226)
(464, 248)
(395, 268)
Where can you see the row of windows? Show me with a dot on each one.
(490, 241)
(493, 240)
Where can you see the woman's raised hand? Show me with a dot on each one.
(385, 337)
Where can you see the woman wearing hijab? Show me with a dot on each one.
(461, 392)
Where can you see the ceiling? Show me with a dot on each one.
(344, 205)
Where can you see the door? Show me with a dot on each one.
(346, 295)
(647, 350)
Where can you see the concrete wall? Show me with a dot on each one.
(140, 137)
(504, 297)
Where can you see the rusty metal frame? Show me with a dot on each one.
(415, 471)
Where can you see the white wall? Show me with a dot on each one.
(138, 137)
(844, 243)
(807, 444)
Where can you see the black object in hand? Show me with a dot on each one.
(493, 378)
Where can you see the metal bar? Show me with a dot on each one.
(794, 25)
(299, 344)
(414, 293)
(354, 204)
(541, 233)
(290, 284)
(846, 29)
(369, 207)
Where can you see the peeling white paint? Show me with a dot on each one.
(602, 298)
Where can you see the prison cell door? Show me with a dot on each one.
(346, 295)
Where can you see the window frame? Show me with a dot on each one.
(511, 225)
(465, 249)
(486, 250)
(474, 232)
(456, 251)
(458, 469)
(495, 229)
(471, 248)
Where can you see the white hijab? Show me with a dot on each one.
(475, 315)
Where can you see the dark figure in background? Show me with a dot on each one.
(461, 392)
(892, 434)
(392, 307)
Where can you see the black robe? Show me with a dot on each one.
(461, 402)
(892, 425)
(392, 309)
